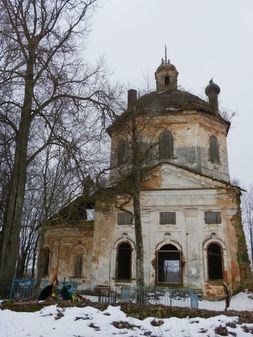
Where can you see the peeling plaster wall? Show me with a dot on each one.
(167, 188)
(191, 132)
(63, 240)
(190, 234)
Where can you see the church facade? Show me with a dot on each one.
(190, 212)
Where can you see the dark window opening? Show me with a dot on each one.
(121, 153)
(46, 261)
(212, 217)
(214, 261)
(214, 150)
(169, 265)
(124, 261)
(167, 218)
(125, 218)
(166, 146)
(78, 265)
(167, 80)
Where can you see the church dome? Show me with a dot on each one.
(212, 88)
(167, 98)
(171, 100)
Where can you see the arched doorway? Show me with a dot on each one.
(124, 261)
(214, 262)
(169, 265)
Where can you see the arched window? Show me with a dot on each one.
(124, 261)
(169, 265)
(167, 80)
(78, 262)
(121, 152)
(166, 147)
(78, 266)
(214, 262)
(214, 150)
(46, 261)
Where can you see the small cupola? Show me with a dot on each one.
(166, 75)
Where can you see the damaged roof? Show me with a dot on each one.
(166, 102)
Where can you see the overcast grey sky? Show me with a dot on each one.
(204, 39)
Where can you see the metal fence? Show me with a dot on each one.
(174, 297)
(22, 288)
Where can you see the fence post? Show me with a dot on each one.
(12, 287)
(194, 301)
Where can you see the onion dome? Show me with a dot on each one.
(212, 88)
(212, 91)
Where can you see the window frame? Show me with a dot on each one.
(221, 262)
(166, 145)
(162, 218)
(78, 265)
(120, 219)
(130, 257)
(216, 220)
(214, 150)
(121, 153)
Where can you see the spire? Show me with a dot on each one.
(166, 54)
(165, 59)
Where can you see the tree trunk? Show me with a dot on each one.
(139, 247)
(11, 228)
(21, 265)
(34, 257)
(136, 165)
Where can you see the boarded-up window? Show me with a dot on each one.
(78, 265)
(212, 217)
(214, 262)
(167, 218)
(166, 147)
(214, 150)
(125, 218)
(121, 153)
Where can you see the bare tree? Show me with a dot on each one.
(45, 87)
(126, 181)
(247, 218)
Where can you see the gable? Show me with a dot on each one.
(168, 176)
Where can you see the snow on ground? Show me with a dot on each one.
(52, 321)
(240, 302)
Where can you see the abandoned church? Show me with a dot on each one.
(190, 212)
